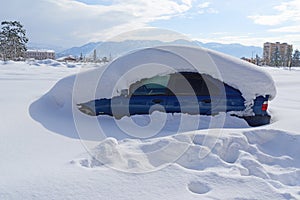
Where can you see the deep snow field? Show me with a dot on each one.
(44, 154)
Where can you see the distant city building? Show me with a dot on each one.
(277, 54)
(40, 54)
(69, 58)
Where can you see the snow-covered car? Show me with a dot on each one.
(185, 92)
(200, 81)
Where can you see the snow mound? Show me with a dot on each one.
(52, 63)
(259, 153)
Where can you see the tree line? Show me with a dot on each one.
(290, 59)
(296, 59)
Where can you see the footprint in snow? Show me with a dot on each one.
(199, 188)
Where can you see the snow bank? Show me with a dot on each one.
(52, 63)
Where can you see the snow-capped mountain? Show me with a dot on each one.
(237, 50)
(32, 45)
(77, 51)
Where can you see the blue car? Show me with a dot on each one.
(182, 92)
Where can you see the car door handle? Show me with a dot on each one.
(157, 100)
(206, 100)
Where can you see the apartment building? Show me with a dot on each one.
(277, 54)
(40, 54)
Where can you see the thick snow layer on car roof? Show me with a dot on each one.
(108, 81)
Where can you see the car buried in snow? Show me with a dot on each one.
(191, 91)
(185, 92)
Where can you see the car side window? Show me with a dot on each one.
(152, 86)
(184, 83)
(142, 90)
(191, 83)
(212, 86)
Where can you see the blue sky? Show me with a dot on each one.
(70, 23)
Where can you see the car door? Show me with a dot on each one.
(148, 95)
(189, 94)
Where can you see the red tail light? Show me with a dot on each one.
(264, 107)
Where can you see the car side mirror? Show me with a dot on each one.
(124, 92)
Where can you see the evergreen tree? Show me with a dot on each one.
(288, 60)
(12, 40)
(105, 59)
(276, 58)
(296, 58)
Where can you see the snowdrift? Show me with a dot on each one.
(256, 153)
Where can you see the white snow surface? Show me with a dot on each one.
(45, 155)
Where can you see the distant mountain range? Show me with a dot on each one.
(115, 49)
(56, 48)
(85, 50)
